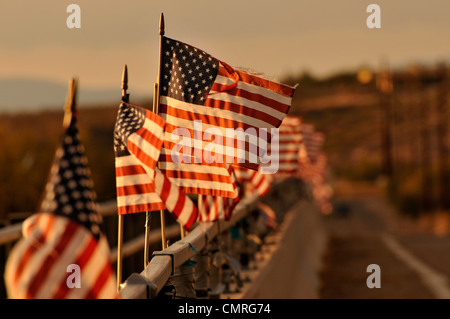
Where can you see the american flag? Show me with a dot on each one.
(314, 174)
(313, 141)
(64, 231)
(287, 145)
(253, 181)
(194, 86)
(217, 208)
(141, 187)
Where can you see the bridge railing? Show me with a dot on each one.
(11, 233)
(164, 263)
(205, 238)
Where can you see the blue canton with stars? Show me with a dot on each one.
(69, 191)
(187, 73)
(129, 120)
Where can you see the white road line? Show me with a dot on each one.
(435, 281)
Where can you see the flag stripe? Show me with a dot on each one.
(48, 262)
(176, 112)
(259, 82)
(129, 170)
(102, 278)
(175, 200)
(81, 261)
(266, 95)
(240, 100)
(31, 249)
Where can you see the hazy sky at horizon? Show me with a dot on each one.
(274, 37)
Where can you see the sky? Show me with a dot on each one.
(277, 38)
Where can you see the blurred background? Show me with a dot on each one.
(379, 95)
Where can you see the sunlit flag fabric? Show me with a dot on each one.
(314, 174)
(287, 145)
(140, 185)
(313, 141)
(206, 96)
(216, 208)
(64, 231)
(254, 181)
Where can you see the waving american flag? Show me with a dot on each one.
(217, 208)
(287, 144)
(65, 231)
(141, 186)
(197, 88)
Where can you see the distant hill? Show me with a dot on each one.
(21, 94)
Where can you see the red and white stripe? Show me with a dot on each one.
(198, 178)
(237, 100)
(214, 208)
(135, 188)
(141, 186)
(313, 141)
(254, 181)
(37, 266)
(175, 200)
(284, 148)
(135, 172)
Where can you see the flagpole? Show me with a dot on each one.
(70, 109)
(181, 231)
(156, 111)
(125, 98)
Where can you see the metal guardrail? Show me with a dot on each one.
(152, 279)
(13, 232)
(10, 233)
(136, 244)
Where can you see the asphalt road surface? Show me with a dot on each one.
(414, 261)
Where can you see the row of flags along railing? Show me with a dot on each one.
(192, 86)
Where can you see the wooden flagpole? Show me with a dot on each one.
(182, 231)
(125, 98)
(156, 110)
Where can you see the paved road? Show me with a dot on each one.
(414, 263)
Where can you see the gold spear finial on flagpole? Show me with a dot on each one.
(125, 83)
(161, 24)
(70, 108)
